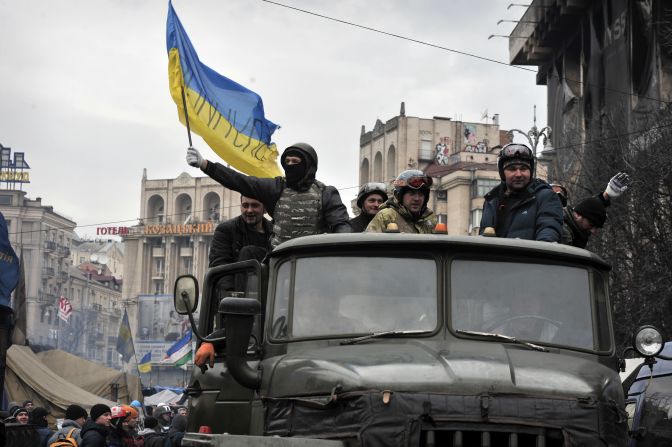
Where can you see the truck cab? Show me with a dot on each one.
(408, 340)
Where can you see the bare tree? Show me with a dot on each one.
(637, 238)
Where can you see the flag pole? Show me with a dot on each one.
(186, 115)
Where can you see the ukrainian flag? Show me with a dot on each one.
(228, 116)
(145, 364)
(125, 339)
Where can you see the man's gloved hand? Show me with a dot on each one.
(617, 185)
(194, 158)
(205, 352)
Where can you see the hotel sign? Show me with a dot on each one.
(13, 171)
(198, 228)
(161, 229)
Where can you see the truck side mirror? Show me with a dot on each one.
(239, 316)
(185, 294)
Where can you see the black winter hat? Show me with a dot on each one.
(592, 209)
(151, 422)
(75, 412)
(39, 416)
(14, 411)
(98, 410)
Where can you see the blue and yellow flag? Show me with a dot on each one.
(125, 339)
(228, 116)
(145, 364)
(9, 265)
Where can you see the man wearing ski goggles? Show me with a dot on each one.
(406, 211)
(521, 206)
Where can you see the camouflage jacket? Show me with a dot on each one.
(392, 211)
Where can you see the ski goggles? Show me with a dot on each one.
(516, 150)
(415, 182)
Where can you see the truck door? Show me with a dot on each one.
(217, 400)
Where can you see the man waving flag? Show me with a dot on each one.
(228, 116)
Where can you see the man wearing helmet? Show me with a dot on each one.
(299, 204)
(408, 207)
(521, 206)
(369, 199)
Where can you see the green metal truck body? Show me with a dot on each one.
(409, 340)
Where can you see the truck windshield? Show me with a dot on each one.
(533, 302)
(355, 295)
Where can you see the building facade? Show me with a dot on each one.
(607, 65)
(108, 253)
(43, 237)
(461, 157)
(179, 217)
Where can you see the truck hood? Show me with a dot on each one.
(464, 367)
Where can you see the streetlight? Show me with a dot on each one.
(507, 37)
(515, 21)
(534, 135)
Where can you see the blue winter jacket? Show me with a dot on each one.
(535, 214)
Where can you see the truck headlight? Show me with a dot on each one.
(648, 341)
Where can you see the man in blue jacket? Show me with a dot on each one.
(521, 206)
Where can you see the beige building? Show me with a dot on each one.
(44, 238)
(461, 157)
(179, 217)
(109, 253)
(93, 326)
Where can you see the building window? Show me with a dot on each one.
(482, 186)
(426, 149)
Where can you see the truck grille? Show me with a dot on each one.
(492, 436)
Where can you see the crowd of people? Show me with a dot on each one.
(119, 426)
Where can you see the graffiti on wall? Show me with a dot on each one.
(443, 150)
(471, 143)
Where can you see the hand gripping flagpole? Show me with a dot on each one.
(186, 115)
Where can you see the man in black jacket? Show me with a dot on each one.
(250, 229)
(96, 429)
(589, 215)
(369, 199)
(299, 204)
(522, 206)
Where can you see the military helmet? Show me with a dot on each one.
(514, 153)
(370, 188)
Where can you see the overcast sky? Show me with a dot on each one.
(85, 85)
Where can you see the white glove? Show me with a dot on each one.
(617, 185)
(194, 158)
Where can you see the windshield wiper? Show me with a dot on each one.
(352, 341)
(503, 337)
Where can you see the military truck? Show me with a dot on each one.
(407, 340)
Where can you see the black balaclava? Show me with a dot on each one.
(299, 177)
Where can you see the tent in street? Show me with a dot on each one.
(26, 377)
(92, 377)
(163, 397)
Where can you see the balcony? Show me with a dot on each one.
(63, 251)
(48, 272)
(46, 298)
(63, 276)
(49, 245)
